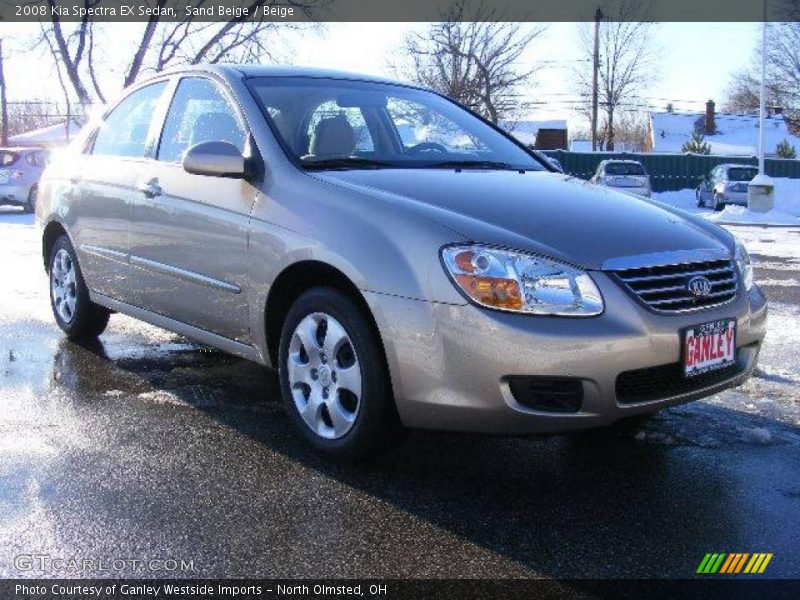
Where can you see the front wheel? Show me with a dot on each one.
(75, 313)
(334, 381)
(718, 203)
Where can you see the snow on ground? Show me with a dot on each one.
(785, 212)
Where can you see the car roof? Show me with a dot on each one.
(621, 160)
(247, 71)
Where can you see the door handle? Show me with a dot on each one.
(150, 189)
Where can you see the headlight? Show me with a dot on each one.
(520, 282)
(745, 267)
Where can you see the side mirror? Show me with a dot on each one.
(215, 159)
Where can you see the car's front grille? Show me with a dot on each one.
(665, 381)
(666, 288)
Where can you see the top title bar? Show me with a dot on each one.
(129, 11)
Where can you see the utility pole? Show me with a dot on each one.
(595, 68)
(762, 109)
(761, 189)
(4, 108)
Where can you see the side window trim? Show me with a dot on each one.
(160, 118)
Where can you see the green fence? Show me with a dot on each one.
(669, 171)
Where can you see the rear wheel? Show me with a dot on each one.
(75, 314)
(30, 205)
(718, 203)
(333, 378)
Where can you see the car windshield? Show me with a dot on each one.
(7, 158)
(624, 169)
(342, 124)
(741, 174)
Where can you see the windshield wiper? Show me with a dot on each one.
(472, 164)
(348, 163)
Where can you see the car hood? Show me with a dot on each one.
(553, 214)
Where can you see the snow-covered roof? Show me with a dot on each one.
(526, 130)
(737, 135)
(54, 135)
(580, 146)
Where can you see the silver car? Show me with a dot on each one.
(20, 170)
(725, 184)
(624, 175)
(441, 279)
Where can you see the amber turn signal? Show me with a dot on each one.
(492, 291)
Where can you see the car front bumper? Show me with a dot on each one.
(451, 364)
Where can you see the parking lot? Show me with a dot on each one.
(148, 447)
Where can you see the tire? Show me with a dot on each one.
(699, 199)
(320, 390)
(75, 314)
(30, 205)
(718, 206)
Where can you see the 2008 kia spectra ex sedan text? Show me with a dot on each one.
(399, 261)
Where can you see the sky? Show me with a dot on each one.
(696, 60)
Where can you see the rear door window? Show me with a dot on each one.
(125, 130)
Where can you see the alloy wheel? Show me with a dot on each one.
(324, 375)
(63, 285)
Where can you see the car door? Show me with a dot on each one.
(102, 189)
(189, 232)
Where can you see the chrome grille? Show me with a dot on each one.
(665, 288)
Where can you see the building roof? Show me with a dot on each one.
(737, 135)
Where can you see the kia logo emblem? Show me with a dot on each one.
(699, 287)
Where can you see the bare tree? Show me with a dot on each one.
(163, 44)
(474, 58)
(783, 75)
(627, 59)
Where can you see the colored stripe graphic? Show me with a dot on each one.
(711, 563)
(734, 562)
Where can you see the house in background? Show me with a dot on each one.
(541, 135)
(728, 135)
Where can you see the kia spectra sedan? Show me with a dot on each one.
(446, 278)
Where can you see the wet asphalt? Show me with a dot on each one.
(145, 445)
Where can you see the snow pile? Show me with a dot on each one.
(785, 212)
(740, 214)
